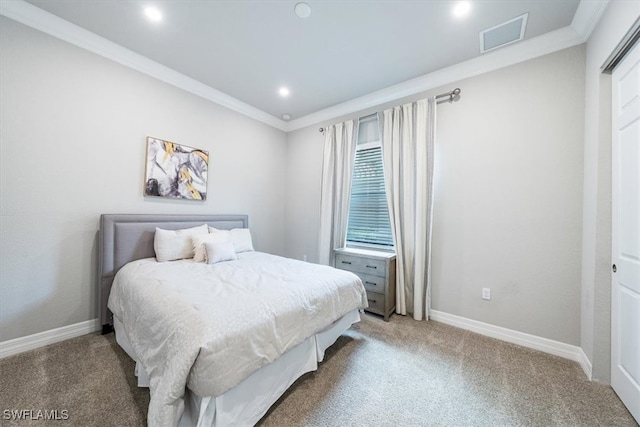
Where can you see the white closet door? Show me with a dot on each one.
(625, 276)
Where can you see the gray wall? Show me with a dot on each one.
(508, 196)
(595, 333)
(73, 146)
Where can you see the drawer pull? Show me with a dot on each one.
(346, 262)
(370, 283)
(371, 266)
(371, 300)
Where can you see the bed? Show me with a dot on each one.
(217, 344)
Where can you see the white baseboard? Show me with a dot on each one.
(31, 342)
(546, 345)
(585, 364)
(571, 352)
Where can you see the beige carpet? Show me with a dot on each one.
(401, 373)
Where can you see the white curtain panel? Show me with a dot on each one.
(337, 170)
(408, 135)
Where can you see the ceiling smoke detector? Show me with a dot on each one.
(302, 10)
(501, 35)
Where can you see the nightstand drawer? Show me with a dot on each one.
(376, 302)
(371, 266)
(372, 283)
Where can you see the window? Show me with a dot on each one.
(369, 224)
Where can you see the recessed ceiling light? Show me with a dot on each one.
(302, 9)
(286, 116)
(462, 9)
(284, 92)
(153, 14)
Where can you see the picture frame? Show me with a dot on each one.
(175, 171)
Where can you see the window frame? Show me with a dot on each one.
(365, 245)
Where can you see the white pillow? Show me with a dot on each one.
(171, 245)
(241, 238)
(200, 252)
(220, 251)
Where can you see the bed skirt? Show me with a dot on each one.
(246, 403)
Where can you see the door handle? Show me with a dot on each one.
(614, 268)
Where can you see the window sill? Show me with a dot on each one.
(367, 251)
(370, 247)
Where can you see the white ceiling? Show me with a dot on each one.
(344, 50)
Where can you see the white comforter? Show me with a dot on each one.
(209, 327)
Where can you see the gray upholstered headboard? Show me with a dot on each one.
(126, 238)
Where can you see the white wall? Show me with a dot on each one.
(73, 147)
(508, 200)
(595, 335)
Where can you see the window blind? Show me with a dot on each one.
(368, 213)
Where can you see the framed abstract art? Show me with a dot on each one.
(175, 171)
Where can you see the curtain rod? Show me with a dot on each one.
(452, 95)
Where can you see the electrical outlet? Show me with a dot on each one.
(486, 293)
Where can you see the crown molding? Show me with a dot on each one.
(585, 19)
(32, 16)
(509, 55)
(584, 22)
(587, 16)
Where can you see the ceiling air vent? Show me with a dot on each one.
(503, 34)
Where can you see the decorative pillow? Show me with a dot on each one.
(171, 245)
(200, 252)
(241, 238)
(220, 251)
